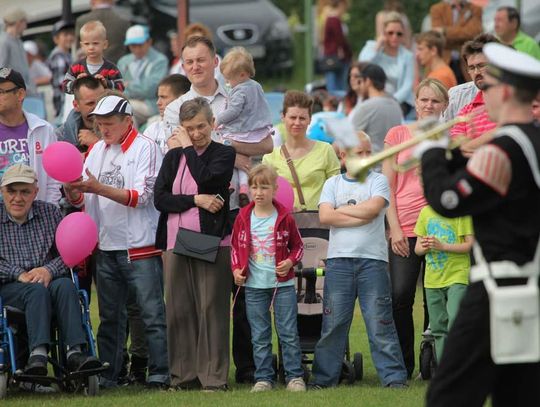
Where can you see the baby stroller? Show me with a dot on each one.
(310, 284)
(13, 347)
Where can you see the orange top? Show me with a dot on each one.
(445, 75)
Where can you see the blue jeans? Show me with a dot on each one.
(337, 80)
(40, 303)
(345, 280)
(115, 275)
(285, 311)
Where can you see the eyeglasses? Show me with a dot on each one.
(391, 33)
(479, 67)
(6, 91)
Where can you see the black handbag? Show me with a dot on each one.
(329, 63)
(197, 245)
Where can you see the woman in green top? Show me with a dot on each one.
(314, 161)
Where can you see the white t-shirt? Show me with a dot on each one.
(367, 241)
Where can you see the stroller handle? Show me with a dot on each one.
(309, 272)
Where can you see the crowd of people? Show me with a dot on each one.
(187, 222)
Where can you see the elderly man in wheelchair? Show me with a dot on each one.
(34, 279)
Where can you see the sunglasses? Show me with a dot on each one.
(6, 91)
(391, 33)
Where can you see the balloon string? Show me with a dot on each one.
(273, 297)
(234, 299)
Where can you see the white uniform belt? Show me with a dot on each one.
(502, 269)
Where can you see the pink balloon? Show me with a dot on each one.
(285, 193)
(76, 238)
(62, 161)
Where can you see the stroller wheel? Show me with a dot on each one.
(358, 363)
(427, 360)
(3, 385)
(347, 372)
(92, 388)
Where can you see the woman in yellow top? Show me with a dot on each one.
(314, 161)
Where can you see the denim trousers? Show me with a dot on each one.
(443, 305)
(285, 310)
(40, 303)
(337, 80)
(116, 275)
(345, 280)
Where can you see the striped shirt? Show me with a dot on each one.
(479, 124)
(459, 96)
(26, 246)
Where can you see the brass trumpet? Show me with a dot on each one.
(359, 167)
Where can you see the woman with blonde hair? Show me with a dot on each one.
(395, 59)
(406, 201)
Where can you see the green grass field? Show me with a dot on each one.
(366, 393)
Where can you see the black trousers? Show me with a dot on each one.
(242, 350)
(404, 273)
(467, 375)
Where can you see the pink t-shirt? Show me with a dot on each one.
(409, 194)
(184, 184)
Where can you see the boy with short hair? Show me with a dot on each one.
(170, 88)
(265, 245)
(93, 42)
(60, 60)
(357, 267)
(429, 48)
(446, 243)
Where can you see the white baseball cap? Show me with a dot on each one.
(110, 105)
(136, 34)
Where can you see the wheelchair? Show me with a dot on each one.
(13, 352)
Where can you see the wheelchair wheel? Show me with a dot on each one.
(92, 388)
(358, 363)
(347, 372)
(3, 385)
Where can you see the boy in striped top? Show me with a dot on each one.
(94, 42)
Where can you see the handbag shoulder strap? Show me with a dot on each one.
(294, 175)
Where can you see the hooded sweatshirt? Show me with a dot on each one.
(286, 237)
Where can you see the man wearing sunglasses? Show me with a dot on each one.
(500, 187)
(24, 136)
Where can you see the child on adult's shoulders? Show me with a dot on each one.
(93, 43)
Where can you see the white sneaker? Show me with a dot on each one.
(261, 386)
(296, 384)
(36, 388)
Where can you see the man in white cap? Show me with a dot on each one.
(117, 192)
(500, 187)
(23, 135)
(13, 54)
(33, 276)
(142, 69)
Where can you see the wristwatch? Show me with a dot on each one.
(227, 142)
